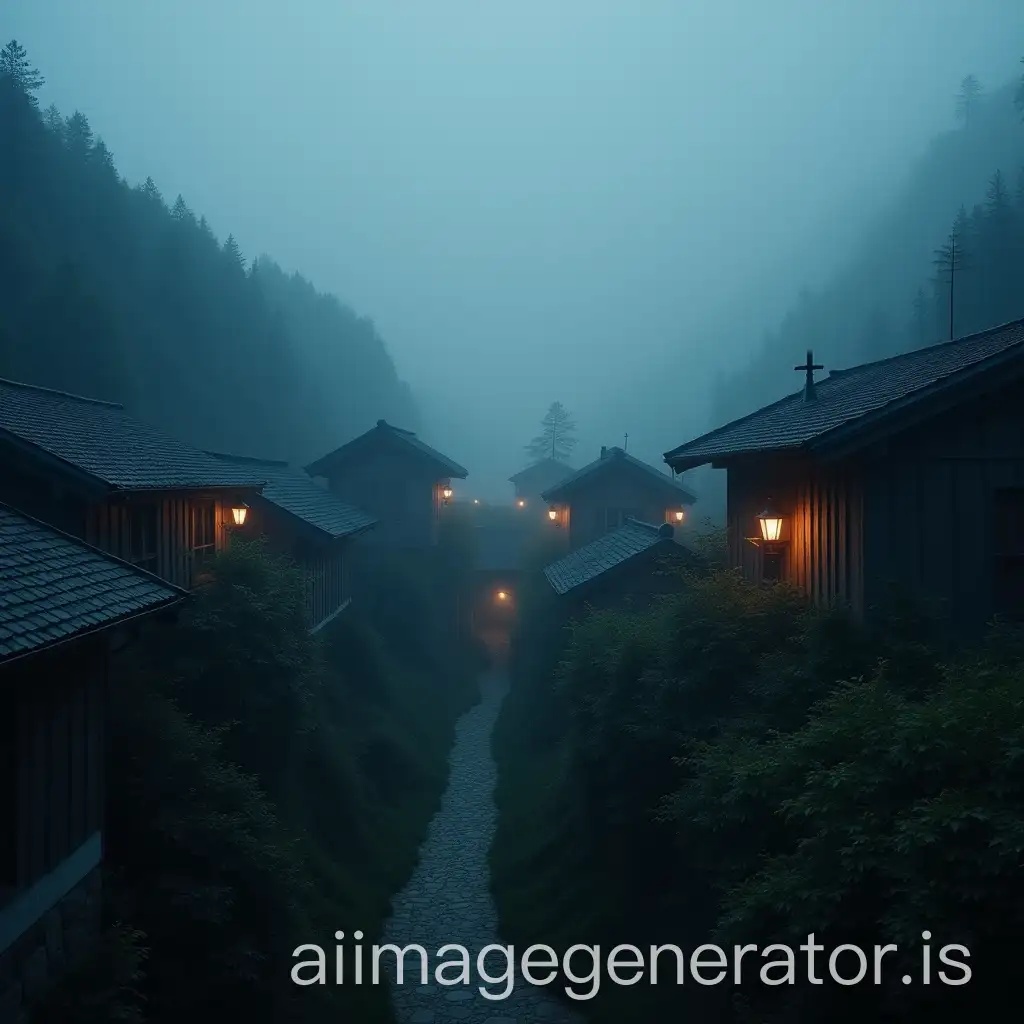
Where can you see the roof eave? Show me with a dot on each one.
(45, 458)
(919, 406)
(163, 606)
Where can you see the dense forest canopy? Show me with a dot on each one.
(965, 196)
(107, 290)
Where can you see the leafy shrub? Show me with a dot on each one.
(734, 765)
(266, 788)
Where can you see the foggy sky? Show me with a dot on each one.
(533, 200)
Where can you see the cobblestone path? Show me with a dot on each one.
(448, 900)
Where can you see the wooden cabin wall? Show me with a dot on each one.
(108, 527)
(822, 539)
(328, 580)
(56, 700)
(396, 488)
(624, 487)
(930, 505)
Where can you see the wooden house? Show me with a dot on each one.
(63, 606)
(906, 471)
(92, 470)
(612, 489)
(304, 521)
(530, 483)
(626, 567)
(397, 478)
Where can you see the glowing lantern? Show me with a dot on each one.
(680, 515)
(239, 512)
(502, 595)
(771, 525)
(553, 514)
(521, 503)
(446, 493)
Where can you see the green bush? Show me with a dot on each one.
(267, 788)
(733, 765)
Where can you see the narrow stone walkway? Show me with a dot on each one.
(448, 900)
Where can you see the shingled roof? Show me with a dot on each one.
(295, 492)
(385, 431)
(54, 587)
(104, 442)
(543, 470)
(850, 400)
(618, 457)
(613, 549)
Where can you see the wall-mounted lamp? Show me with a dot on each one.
(679, 515)
(502, 596)
(770, 522)
(239, 512)
(553, 514)
(446, 493)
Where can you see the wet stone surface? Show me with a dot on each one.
(448, 901)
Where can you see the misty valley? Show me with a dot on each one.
(489, 661)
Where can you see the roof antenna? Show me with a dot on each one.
(809, 367)
(625, 443)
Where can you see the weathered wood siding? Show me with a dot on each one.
(397, 489)
(623, 487)
(109, 527)
(929, 505)
(823, 526)
(53, 734)
(328, 581)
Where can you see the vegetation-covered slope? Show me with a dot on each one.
(107, 291)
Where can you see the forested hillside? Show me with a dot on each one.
(894, 295)
(108, 290)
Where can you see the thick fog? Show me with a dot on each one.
(537, 200)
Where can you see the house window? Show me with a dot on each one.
(142, 531)
(204, 533)
(616, 517)
(1008, 551)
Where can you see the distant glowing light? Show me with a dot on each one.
(552, 514)
(502, 595)
(680, 515)
(521, 503)
(476, 501)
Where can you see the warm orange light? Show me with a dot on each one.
(502, 595)
(680, 515)
(771, 525)
(552, 514)
(446, 492)
(239, 512)
(521, 503)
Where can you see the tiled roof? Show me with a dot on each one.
(613, 549)
(294, 491)
(448, 466)
(103, 441)
(54, 587)
(544, 470)
(853, 397)
(616, 456)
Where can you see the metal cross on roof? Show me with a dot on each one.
(809, 367)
